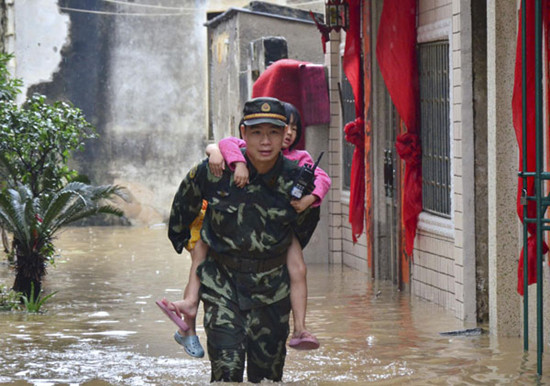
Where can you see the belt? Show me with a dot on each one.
(245, 265)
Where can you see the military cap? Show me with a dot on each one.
(264, 110)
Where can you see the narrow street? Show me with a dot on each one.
(104, 328)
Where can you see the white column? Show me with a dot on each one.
(336, 217)
(504, 302)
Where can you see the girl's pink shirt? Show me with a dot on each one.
(230, 149)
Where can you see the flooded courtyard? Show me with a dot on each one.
(103, 327)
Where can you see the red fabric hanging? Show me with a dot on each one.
(531, 263)
(396, 54)
(352, 55)
(355, 131)
(355, 135)
(531, 137)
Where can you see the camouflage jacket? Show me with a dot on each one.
(255, 222)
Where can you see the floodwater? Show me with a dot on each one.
(103, 327)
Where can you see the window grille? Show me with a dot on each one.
(435, 127)
(348, 115)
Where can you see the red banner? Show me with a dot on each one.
(517, 113)
(396, 54)
(355, 131)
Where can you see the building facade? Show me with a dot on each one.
(468, 239)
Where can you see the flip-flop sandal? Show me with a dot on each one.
(191, 344)
(173, 316)
(305, 341)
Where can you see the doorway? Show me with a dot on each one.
(387, 244)
(387, 176)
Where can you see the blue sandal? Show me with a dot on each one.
(191, 344)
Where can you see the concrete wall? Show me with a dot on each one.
(224, 71)
(43, 38)
(504, 310)
(504, 229)
(128, 69)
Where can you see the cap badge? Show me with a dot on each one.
(266, 108)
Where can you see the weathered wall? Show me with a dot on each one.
(138, 72)
(155, 114)
(42, 31)
(223, 77)
(504, 231)
(138, 75)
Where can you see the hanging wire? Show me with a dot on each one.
(127, 3)
(179, 11)
(122, 13)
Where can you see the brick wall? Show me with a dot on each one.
(342, 249)
(437, 274)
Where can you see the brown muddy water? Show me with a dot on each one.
(103, 327)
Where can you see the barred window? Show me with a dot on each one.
(435, 127)
(348, 115)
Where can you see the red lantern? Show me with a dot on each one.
(337, 15)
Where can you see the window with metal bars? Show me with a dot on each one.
(433, 65)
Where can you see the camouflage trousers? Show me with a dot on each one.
(258, 334)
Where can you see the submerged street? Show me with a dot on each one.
(103, 326)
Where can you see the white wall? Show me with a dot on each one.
(41, 33)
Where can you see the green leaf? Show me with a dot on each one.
(34, 305)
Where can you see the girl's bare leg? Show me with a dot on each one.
(298, 286)
(190, 303)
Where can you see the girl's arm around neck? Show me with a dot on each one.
(230, 148)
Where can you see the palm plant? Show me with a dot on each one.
(34, 220)
(39, 193)
(33, 304)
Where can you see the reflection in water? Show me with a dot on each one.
(103, 326)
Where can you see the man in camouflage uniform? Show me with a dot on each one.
(245, 283)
